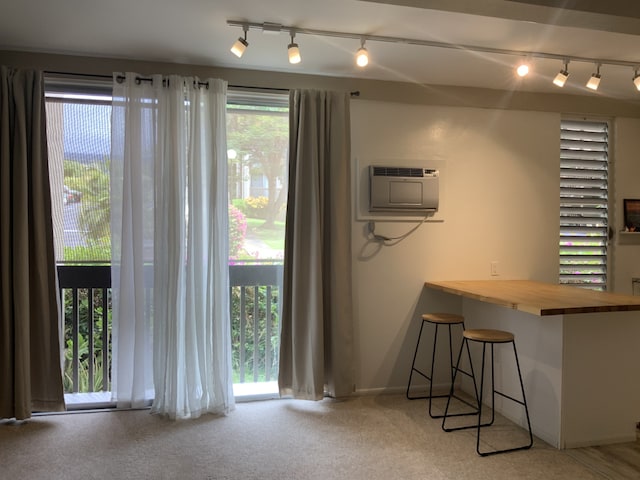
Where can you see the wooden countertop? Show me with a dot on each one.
(539, 298)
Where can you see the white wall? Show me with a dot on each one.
(499, 201)
(626, 184)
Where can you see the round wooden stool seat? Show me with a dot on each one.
(443, 318)
(488, 336)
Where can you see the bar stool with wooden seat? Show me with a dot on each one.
(489, 337)
(436, 319)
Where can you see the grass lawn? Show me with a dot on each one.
(272, 235)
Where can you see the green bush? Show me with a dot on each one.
(240, 204)
(96, 253)
(257, 207)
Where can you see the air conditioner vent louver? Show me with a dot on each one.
(398, 172)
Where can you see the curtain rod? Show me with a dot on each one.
(148, 79)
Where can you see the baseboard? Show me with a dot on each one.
(415, 390)
(379, 391)
(600, 442)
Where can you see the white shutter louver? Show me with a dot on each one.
(584, 203)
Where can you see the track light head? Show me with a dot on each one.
(239, 47)
(362, 56)
(523, 69)
(636, 79)
(594, 81)
(294, 51)
(562, 76)
(241, 44)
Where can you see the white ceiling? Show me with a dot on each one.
(196, 32)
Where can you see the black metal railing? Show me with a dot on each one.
(255, 321)
(85, 298)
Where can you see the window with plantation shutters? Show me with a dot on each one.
(584, 202)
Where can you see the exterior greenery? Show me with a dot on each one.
(255, 360)
(86, 358)
(94, 219)
(260, 139)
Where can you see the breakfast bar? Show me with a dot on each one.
(578, 353)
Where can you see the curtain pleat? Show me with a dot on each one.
(316, 349)
(30, 360)
(174, 223)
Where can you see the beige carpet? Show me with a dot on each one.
(371, 437)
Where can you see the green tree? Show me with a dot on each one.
(95, 214)
(261, 140)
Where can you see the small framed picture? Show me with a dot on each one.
(632, 215)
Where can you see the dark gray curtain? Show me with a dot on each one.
(30, 372)
(316, 355)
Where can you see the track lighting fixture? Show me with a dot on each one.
(294, 50)
(594, 81)
(636, 79)
(562, 76)
(362, 56)
(241, 44)
(523, 69)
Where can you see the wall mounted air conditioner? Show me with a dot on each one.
(403, 189)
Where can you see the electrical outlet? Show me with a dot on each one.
(494, 269)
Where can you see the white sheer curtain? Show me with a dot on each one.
(172, 340)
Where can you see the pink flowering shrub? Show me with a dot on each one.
(237, 231)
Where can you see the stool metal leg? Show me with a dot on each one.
(481, 395)
(433, 362)
(413, 365)
(522, 402)
(524, 398)
(429, 376)
(456, 369)
(451, 373)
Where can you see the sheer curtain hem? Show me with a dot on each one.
(221, 411)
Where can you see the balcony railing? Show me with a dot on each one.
(255, 321)
(85, 293)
